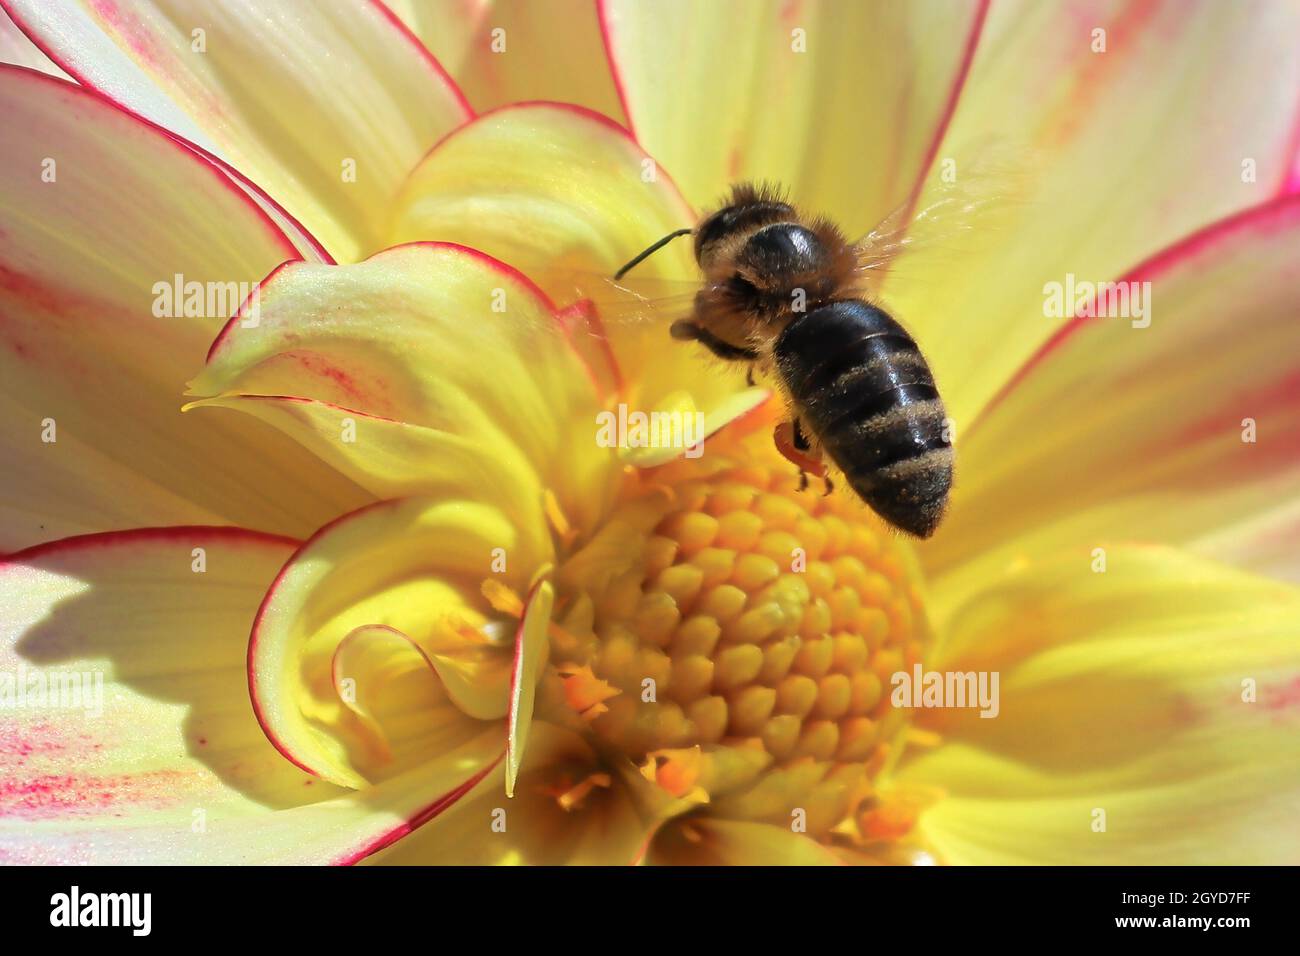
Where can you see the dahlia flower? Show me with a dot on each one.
(303, 497)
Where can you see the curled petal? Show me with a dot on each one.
(404, 565)
(131, 739)
(569, 197)
(555, 190)
(410, 699)
(432, 335)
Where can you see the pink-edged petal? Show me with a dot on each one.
(413, 565)
(568, 197)
(603, 827)
(842, 102)
(1185, 431)
(324, 105)
(15, 48)
(504, 51)
(95, 347)
(411, 703)
(1105, 131)
(437, 336)
(142, 746)
(560, 192)
(532, 644)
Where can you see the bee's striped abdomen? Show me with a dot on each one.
(862, 388)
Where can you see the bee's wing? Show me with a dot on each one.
(949, 216)
(630, 301)
(615, 325)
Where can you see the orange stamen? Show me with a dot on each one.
(585, 692)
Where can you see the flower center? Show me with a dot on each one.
(735, 638)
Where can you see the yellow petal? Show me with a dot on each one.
(94, 347)
(534, 827)
(504, 51)
(324, 105)
(391, 459)
(432, 335)
(404, 564)
(842, 102)
(690, 427)
(1186, 431)
(531, 646)
(151, 753)
(1156, 700)
(711, 842)
(552, 189)
(411, 699)
(1116, 159)
(563, 195)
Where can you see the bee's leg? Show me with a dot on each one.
(749, 377)
(684, 329)
(800, 439)
(830, 485)
(788, 438)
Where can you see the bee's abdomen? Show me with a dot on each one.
(862, 387)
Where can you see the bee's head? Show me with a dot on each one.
(719, 231)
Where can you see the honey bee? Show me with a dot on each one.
(784, 293)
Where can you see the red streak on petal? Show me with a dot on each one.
(315, 403)
(1283, 698)
(1225, 424)
(28, 288)
(141, 41)
(1090, 72)
(55, 795)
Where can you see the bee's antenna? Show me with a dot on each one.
(653, 249)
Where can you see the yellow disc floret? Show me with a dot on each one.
(735, 637)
